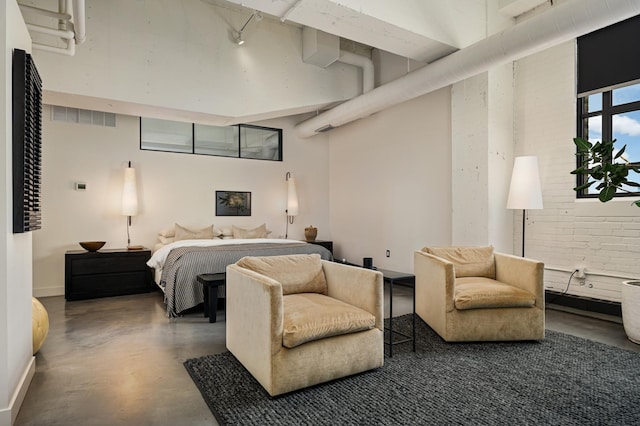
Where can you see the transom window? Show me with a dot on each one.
(239, 141)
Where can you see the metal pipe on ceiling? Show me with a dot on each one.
(362, 62)
(71, 28)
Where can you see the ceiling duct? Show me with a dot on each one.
(325, 128)
(70, 27)
(319, 48)
(361, 62)
(323, 49)
(560, 23)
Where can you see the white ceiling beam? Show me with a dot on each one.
(421, 30)
(515, 8)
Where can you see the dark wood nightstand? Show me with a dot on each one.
(326, 244)
(110, 272)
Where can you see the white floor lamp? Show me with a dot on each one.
(525, 192)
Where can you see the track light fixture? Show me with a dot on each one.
(238, 36)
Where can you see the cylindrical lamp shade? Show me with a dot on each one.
(129, 193)
(292, 198)
(525, 192)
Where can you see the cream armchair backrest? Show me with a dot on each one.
(474, 294)
(296, 321)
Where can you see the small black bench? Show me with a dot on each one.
(210, 284)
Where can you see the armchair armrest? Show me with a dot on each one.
(254, 316)
(356, 286)
(523, 273)
(435, 282)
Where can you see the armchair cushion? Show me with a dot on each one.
(479, 293)
(467, 261)
(296, 273)
(312, 316)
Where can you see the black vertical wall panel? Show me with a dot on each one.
(27, 143)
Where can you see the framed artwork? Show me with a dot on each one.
(233, 203)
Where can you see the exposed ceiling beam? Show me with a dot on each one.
(559, 24)
(424, 31)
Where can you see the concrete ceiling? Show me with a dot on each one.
(422, 30)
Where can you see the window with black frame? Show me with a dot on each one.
(613, 115)
(238, 141)
(609, 98)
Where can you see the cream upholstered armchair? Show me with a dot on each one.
(295, 321)
(474, 294)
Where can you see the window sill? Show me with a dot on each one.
(620, 207)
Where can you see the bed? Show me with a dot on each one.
(178, 263)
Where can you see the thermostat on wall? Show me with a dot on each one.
(80, 186)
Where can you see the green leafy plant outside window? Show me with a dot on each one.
(600, 166)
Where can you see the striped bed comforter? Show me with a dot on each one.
(183, 264)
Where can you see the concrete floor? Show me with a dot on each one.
(118, 360)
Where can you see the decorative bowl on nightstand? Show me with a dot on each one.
(92, 245)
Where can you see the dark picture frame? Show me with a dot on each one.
(233, 203)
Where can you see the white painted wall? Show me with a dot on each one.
(567, 233)
(17, 364)
(187, 61)
(172, 188)
(470, 145)
(500, 157)
(390, 180)
(482, 146)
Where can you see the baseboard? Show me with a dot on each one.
(8, 415)
(48, 291)
(582, 303)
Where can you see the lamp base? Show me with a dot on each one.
(135, 247)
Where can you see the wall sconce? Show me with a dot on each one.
(525, 191)
(292, 201)
(130, 201)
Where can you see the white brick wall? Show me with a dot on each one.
(568, 233)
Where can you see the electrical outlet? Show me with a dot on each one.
(580, 273)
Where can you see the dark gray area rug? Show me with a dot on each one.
(563, 380)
